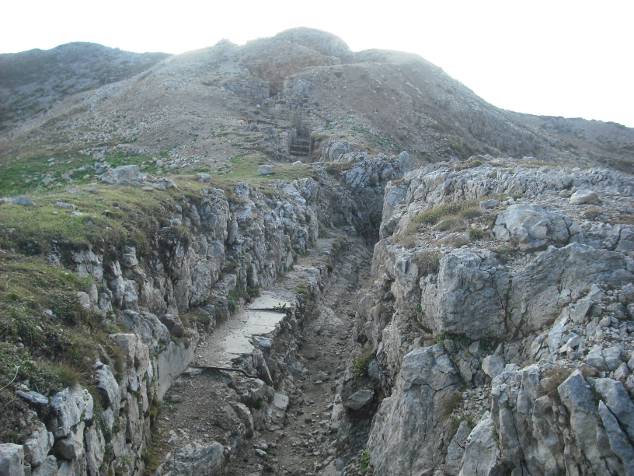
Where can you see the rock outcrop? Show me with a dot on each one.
(499, 323)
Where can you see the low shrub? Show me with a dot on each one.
(360, 364)
(428, 262)
(476, 234)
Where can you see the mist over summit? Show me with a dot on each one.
(92, 99)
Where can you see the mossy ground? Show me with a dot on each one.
(244, 168)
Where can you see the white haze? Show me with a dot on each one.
(560, 57)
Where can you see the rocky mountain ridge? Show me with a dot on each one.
(212, 104)
(500, 322)
(147, 222)
(33, 81)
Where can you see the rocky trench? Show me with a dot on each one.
(277, 421)
(210, 257)
(492, 334)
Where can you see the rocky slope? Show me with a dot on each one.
(144, 298)
(33, 81)
(499, 323)
(215, 103)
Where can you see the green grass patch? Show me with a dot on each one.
(302, 289)
(19, 175)
(364, 461)
(469, 213)
(450, 403)
(103, 216)
(244, 168)
(476, 234)
(428, 262)
(433, 216)
(360, 364)
(450, 224)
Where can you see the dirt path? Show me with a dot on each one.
(306, 445)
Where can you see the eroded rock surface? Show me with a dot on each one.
(517, 280)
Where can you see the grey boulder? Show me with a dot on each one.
(11, 459)
(531, 227)
(581, 197)
(124, 175)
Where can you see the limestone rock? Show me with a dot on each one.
(277, 411)
(95, 450)
(618, 402)
(196, 459)
(334, 151)
(11, 459)
(492, 365)
(534, 298)
(359, 399)
(620, 443)
(146, 325)
(174, 324)
(456, 449)
(246, 418)
(47, 468)
(613, 356)
(581, 197)
(68, 408)
(464, 297)
(578, 397)
(408, 424)
(124, 175)
(164, 183)
(405, 161)
(481, 451)
(531, 227)
(108, 387)
(34, 398)
(489, 204)
(265, 170)
(37, 445)
(22, 201)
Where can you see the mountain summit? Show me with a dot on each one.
(226, 100)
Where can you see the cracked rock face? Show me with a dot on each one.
(467, 295)
(427, 380)
(518, 281)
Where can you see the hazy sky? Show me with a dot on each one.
(571, 58)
